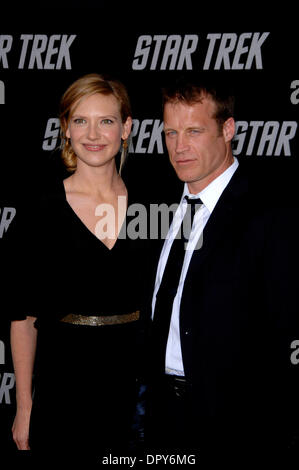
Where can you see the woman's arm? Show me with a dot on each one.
(23, 347)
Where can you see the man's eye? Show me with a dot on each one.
(170, 133)
(107, 121)
(196, 131)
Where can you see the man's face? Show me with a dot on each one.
(198, 150)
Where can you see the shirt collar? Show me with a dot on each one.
(211, 193)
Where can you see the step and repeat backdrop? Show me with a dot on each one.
(43, 51)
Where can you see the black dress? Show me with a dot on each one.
(85, 376)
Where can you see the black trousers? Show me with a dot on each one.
(168, 421)
(172, 427)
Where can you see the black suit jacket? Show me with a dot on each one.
(238, 318)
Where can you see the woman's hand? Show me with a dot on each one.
(20, 429)
(23, 346)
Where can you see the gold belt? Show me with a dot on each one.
(101, 320)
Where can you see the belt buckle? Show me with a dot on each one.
(180, 386)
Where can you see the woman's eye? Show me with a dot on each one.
(79, 121)
(107, 121)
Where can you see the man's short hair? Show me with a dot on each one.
(193, 89)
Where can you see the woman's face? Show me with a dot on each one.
(95, 129)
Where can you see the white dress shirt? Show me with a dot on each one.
(209, 197)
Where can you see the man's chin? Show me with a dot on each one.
(183, 176)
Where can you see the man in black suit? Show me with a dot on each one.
(223, 315)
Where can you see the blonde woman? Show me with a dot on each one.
(80, 325)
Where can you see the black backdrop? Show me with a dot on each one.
(42, 50)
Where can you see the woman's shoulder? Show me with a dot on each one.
(52, 191)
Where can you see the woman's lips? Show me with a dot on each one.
(94, 148)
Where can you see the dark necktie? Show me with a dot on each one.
(169, 284)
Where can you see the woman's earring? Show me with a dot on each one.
(124, 154)
(62, 142)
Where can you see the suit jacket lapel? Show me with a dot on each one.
(223, 215)
(221, 218)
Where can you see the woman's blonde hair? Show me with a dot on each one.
(86, 86)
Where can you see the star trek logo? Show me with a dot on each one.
(264, 138)
(6, 216)
(229, 51)
(146, 136)
(7, 380)
(38, 51)
(251, 138)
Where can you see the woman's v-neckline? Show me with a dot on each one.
(84, 226)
